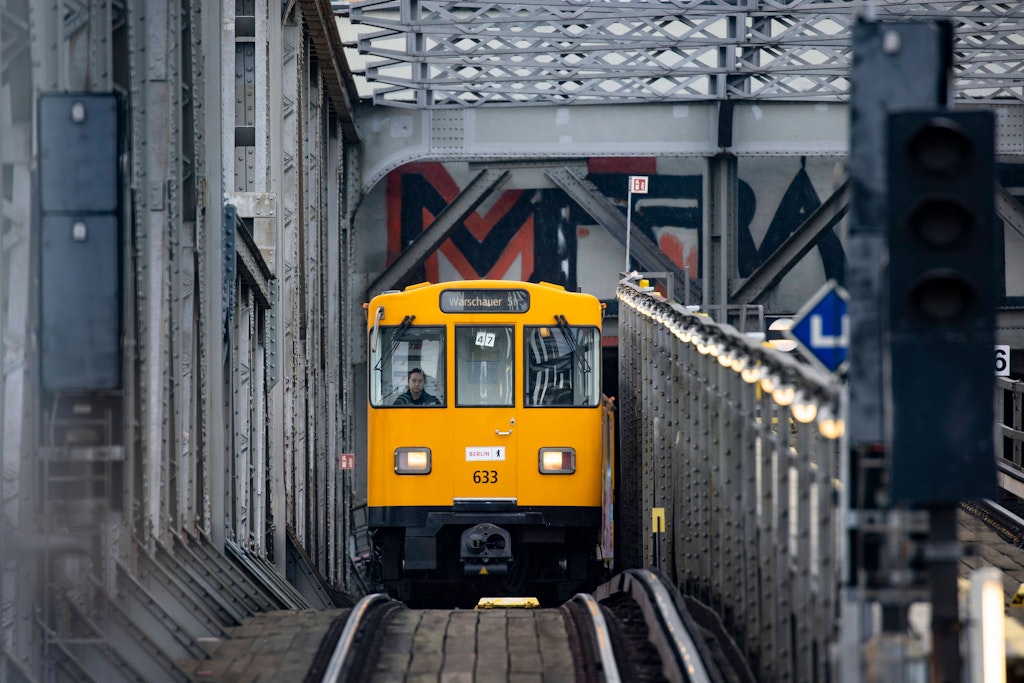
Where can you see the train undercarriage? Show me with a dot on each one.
(455, 565)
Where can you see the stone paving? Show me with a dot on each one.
(500, 645)
(992, 551)
(272, 646)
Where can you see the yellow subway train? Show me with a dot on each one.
(489, 456)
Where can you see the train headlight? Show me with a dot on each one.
(557, 460)
(412, 461)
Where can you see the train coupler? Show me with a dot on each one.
(486, 550)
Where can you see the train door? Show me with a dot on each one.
(485, 429)
(561, 415)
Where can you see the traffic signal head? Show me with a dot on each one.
(941, 295)
(80, 181)
(941, 210)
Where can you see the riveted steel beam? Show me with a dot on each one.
(323, 32)
(645, 51)
(1009, 209)
(757, 286)
(601, 209)
(485, 182)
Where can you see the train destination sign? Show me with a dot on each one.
(485, 301)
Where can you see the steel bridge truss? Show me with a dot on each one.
(451, 54)
(729, 464)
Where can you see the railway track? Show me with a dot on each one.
(1006, 515)
(634, 628)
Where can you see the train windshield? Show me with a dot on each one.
(562, 365)
(484, 365)
(399, 351)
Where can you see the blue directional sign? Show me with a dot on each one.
(822, 328)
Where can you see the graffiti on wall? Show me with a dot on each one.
(533, 234)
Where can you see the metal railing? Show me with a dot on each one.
(1009, 440)
(728, 480)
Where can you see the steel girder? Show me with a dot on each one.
(483, 184)
(18, 653)
(218, 109)
(393, 137)
(449, 53)
(759, 283)
(608, 216)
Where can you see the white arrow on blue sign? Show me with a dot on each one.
(822, 327)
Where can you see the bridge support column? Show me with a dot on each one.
(721, 211)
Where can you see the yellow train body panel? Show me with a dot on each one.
(485, 432)
(450, 429)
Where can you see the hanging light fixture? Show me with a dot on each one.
(751, 373)
(830, 425)
(739, 363)
(784, 394)
(769, 382)
(804, 409)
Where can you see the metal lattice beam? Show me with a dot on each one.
(448, 54)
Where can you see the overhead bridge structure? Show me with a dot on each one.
(197, 199)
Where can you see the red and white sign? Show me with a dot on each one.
(638, 184)
(347, 461)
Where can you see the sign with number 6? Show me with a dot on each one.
(1002, 360)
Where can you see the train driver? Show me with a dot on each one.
(416, 395)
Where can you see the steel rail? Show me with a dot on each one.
(682, 659)
(601, 636)
(359, 614)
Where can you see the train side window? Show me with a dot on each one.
(484, 365)
(397, 351)
(562, 365)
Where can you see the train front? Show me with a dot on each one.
(485, 462)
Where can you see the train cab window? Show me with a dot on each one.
(484, 365)
(562, 364)
(394, 352)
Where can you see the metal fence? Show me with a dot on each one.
(729, 480)
(1010, 420)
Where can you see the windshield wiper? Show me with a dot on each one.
(577, 352)
(396, 338)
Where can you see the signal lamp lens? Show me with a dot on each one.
(557, 460)
(412, 460)
(940, 147)
(942, 297)
(941, 224)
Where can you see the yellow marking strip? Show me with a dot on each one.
(523, 603)
(658, 520)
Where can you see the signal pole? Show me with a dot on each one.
(638, 185)
(901, 68)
